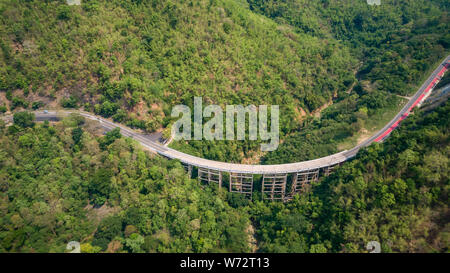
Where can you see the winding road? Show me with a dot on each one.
(150, 143)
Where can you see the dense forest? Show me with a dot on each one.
(134, 60)
(395, 193)
(60, 182)
(396, 41)
(396, 44)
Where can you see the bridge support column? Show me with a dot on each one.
(208, 175)
(302, 180)
(188, 169)
(274, 186)
(241, 183)
(329, 169)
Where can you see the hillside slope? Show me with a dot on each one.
(334, 67)
(135, 60)
(395, 193)
(60, 182)
(108, 194)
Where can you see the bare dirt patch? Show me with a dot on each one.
(316, 113)
(300, 114)
(97, 214)
(252, 242)
(364, 134)
(253, 158)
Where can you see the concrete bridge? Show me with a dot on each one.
(274, 177)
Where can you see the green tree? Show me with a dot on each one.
(77, 133)
(110, 137)
(135, 242)
(24, 119)
(100, 186)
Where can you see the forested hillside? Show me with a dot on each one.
(397, 44)
(60, 183)
(338, 69)
(133, 61)
(395, 41)
(395, 193)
